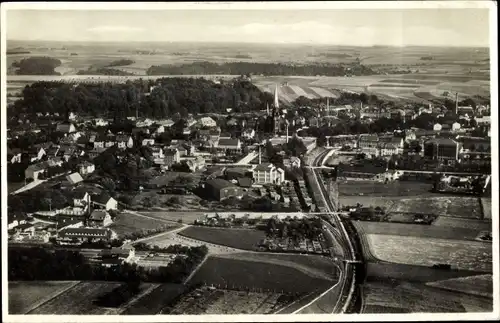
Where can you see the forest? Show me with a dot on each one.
(37, 66)
(159, 98)
(267, 69)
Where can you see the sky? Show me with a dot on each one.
(353, 27)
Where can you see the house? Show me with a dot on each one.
(105, 201)
(67, 151)
(442, 149)
(437, 127)
(220, 189)
(74, 178)
(136, 131)
(80, 198)
(172, 156)
(25, 229)
(157, 152)
(455, 126)
(248, 133)
(86, 167)
(236, 172)
(398, 142)
(66, 222)
(267, 173)
(79, 235)
(388, 149)
(14, 155)
(116, 256)
(486, 120)
(159, 130)
(144, 123)
(368, 141)
(14, 219)
(196, 163)
(166, 123)
(245, 182)
(207, 122)
(100, 122)
(37, 153)
(229, 144)
(124, 141)
(96, 152)
(100, 218)
(148, 142)
(72, 116)
(292, 162)
(34, 171)
(66, 128)
(185, 150)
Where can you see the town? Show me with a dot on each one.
(169, 178)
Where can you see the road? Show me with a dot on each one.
(336, 298)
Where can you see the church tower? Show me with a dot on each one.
(276, 111)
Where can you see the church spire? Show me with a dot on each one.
(276, 100)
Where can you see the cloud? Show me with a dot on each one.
(114, 29)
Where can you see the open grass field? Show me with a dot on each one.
(235, 238)
(397, 188)
(126, 223)
(153, 302)
(418, 230)
(462, 223)
(78, 300)
(27, 295)
(256, 275)
(466, 255)
(312, 265)
(418, 298)
(186, 216)
(480, 285)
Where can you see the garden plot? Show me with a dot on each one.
(27, 295)
(234, 302)
(462, 207)
(461, 223)
(466, 255)
(78, 300)
(418, 298)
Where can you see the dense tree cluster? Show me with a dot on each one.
(295, 229)
(38, 200)
(37, 66)
(120, 62)
(104, 71)
(249, 68)
(47, 264)
(161, 98)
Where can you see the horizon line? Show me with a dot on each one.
(247, 43)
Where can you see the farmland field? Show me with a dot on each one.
(250, 274)
(480, 285)
(462, 223)
(78, 300)
(466, 255)
(418, 298)
(312, 265)
(27, 295)
(398, 188)
(186, 217)
(126, 223)
(235, 238)
(234, 302)
(418, 230)
(456, 206)
(153, 302)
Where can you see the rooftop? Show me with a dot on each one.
(218, 183)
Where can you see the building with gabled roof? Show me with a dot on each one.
(74, 178)
(100, 218)
(267, 173)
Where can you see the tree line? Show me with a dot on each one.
(55, 264)
(251, 68)
(159, 98)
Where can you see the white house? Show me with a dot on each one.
(124, 141)
(144, 123)
(86, 167)
(267, 173)
(437, 127)
(100, 122)
(72, 116)
(292, 162)
(455, 126)
(207, 122)
(148, 142)
(106, 201)
(80, 198)
(248, 133)
(157, 152)
(159, 130)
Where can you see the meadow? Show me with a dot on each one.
(235, 238)
(241, 274)
(127, 223)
